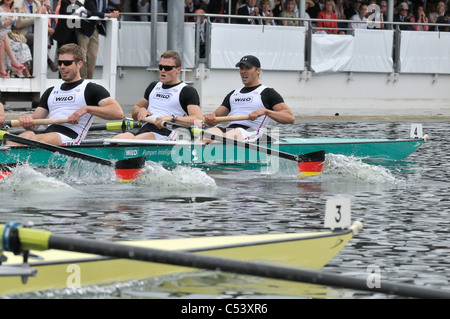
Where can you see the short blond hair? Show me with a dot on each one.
(172, 54)
(72, 48)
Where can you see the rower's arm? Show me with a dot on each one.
(210, 118)
(139, 111)
(280, 113)
(195, 116)
(108, 109)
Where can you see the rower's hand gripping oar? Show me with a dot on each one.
(308, 164)
(126, 170)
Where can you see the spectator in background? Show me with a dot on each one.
(444, 19)
(420, 17)
(383, 13)
(202, 32)
(277, 8)
(14, 43)
(266, 12)
(45, 4)
(353, 8)
(328, 27)
(403, 16)
(438, 12)
(216, 7)
(5, 49)
(340, 13)
(189, 7)
(27, 25)
(250, 9)
(143, 6)
(116, 5)
(314, 10)
(89, 32)
(288, 12)
(65, 30)
(360, 18)
(308, 4)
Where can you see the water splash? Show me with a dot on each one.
(354, 168)
(183, 177)
(25, 178)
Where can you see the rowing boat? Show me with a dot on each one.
(37, 260)
(187, 152)
(39, 267)
(224, 152)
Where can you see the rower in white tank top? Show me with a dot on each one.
(255, 100)
(62, 103)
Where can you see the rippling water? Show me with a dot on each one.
(404, 208)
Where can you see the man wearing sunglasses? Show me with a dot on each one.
(403, 16)
(166, 100)
(255, 100)
(75, 99)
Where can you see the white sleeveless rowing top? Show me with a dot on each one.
(165, 102)
(244, 104)
(62, 103)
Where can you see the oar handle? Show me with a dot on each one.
(231, 118)
(15, 123)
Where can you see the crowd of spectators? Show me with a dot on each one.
(16, 35)
(424, 12)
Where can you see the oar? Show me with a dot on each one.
(308, 164)
(19, 239)
(16, 123)
(110, 126)
(230, 118)
(126, 169)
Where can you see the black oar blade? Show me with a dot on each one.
(130, 168)
(310, 164)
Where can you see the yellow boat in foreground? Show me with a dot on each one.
(55, 268)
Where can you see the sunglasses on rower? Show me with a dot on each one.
(166, 67)
(65, 62)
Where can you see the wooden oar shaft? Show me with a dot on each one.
(16, 123)
(42, 240)
(231, 118)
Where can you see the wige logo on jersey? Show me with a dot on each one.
(243, 100)
(69, 98)
(163, 96)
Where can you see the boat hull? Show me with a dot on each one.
(62, 269)
(214, 153)
(380, 149)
